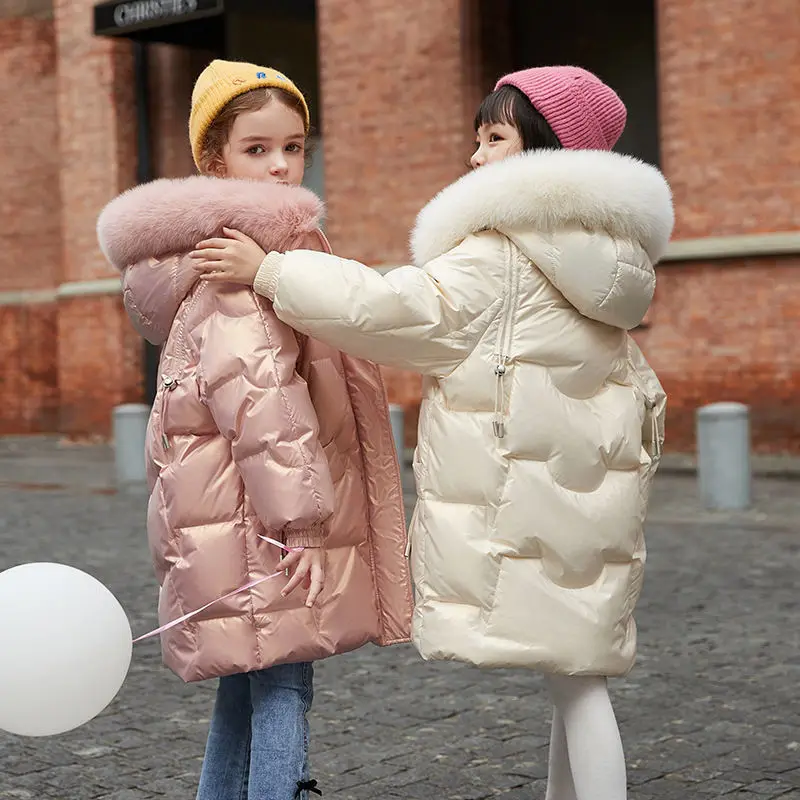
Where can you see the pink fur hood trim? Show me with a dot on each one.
(169, 217)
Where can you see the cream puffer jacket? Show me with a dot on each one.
(541, 424)
(255, 431)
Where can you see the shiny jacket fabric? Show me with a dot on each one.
(542, 423)
(255, 432)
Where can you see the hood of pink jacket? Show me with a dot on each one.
(145, 230)
(252, 435)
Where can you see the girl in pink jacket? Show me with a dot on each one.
(268, 454)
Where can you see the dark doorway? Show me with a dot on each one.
(616, 40)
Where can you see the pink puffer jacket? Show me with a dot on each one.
(255, 430)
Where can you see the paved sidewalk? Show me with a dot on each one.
(48, 463)
(711, 709)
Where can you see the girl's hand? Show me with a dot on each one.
(235, 258)
(307, 566)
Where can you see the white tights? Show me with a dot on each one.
(586, 758)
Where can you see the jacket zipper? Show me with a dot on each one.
(650, 406)
(177, 361)
(168, 383)
(505, 339)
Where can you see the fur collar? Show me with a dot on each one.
(168, 217)
(548, 189)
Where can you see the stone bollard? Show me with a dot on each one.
(397, 415)
(129, 430)
(723, 456)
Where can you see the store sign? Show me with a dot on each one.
(123, 17)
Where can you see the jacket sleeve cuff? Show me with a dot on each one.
(266, 280)
(306, 537)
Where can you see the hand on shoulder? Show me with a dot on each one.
(234, 258)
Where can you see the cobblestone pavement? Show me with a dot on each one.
(711, 709)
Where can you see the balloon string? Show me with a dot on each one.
(251, 585)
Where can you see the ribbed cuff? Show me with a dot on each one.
(305, 537)
(266, 280)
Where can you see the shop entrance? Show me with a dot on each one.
(173, 40)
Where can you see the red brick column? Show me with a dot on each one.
(99, 355)
(30, 236)
(730, 129)
(395, 96)
(398, 89)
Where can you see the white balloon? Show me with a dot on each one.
(65, 649)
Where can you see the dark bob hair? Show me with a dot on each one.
(511, 106)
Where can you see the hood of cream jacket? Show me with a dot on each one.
(593, 222)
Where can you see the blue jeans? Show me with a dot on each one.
(258, 742)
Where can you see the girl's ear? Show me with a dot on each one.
(215, 167)
(218, 168)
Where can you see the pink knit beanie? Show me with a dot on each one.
(583, 112)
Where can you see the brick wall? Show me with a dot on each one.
(730, 114)
(30, 234)
(28, 368)
(395, 97)
(726, 331)
(100, 364)
(730, 127)
(97, 126)
(68, 147)
(730, 137)
(29, 202)
(98, 368)
(399, 87)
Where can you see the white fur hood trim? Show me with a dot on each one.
(546, 190)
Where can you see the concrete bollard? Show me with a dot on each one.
(397, 415)
(129, 430)
(723, 456)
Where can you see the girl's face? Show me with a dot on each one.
(495, 141)
(266, 145)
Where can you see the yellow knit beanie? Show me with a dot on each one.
(222, 81)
